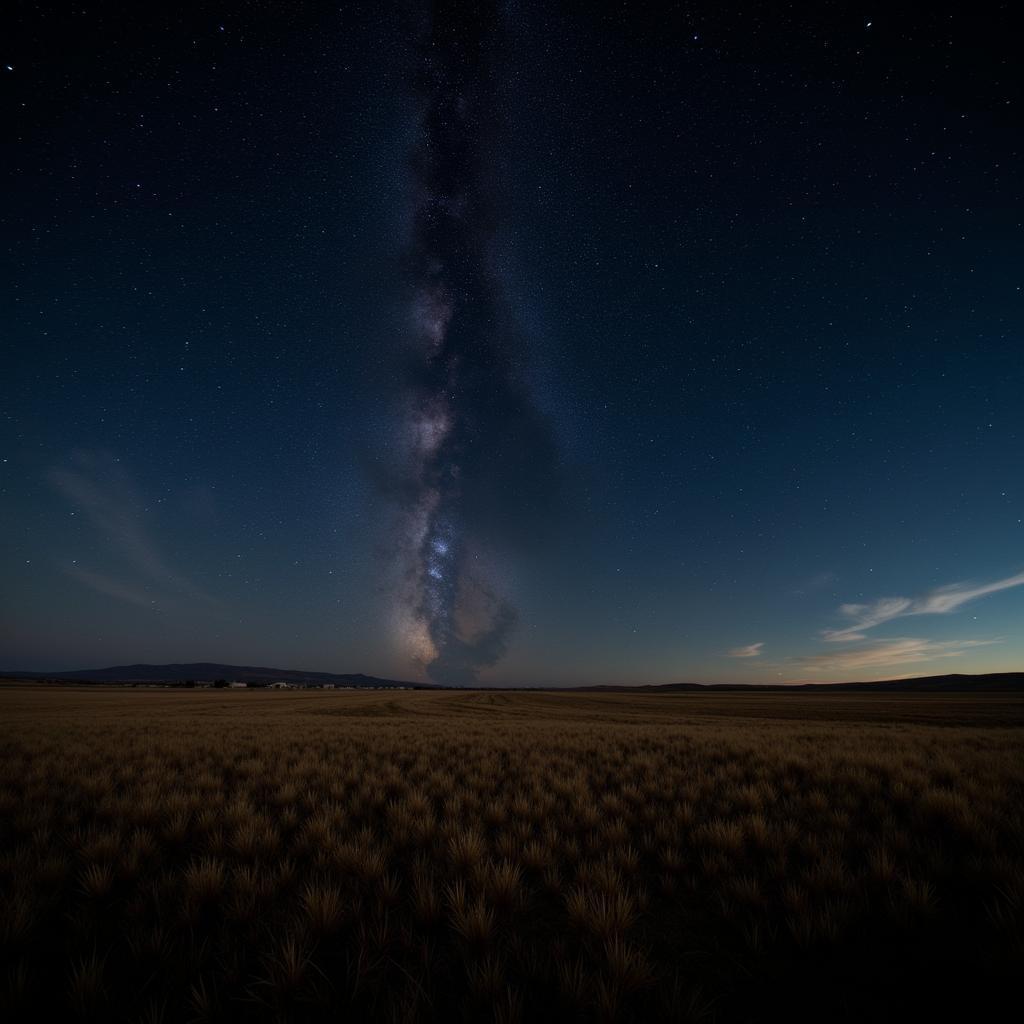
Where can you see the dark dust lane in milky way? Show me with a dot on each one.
(481, 456)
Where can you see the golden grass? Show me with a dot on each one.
(532, 856)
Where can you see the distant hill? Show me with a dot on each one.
(991, 682)
(207, 671)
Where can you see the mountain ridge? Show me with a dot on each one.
(954, 682)
(209, 671)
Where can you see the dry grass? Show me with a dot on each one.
(473, 856)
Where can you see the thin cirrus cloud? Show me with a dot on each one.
(940, 601)
(748, 651)
(98, 486)
(882, 653)
(109, 586)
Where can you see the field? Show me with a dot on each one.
(376, 856)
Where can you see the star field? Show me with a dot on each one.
(534, 344)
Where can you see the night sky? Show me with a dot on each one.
(513, 343)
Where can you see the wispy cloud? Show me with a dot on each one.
(98, 486)
(812, 584)
(749, 651)
(877, 654)
(108, 585)
(940, 601)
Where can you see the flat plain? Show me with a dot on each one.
(194, 855)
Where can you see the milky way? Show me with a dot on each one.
(481, 456)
